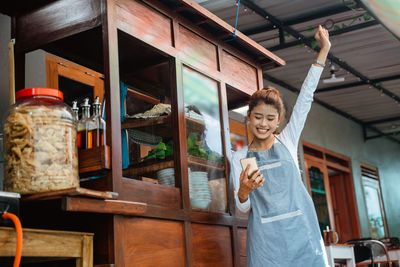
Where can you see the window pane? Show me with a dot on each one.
(373, 202)
(74, 91)
(204, 141)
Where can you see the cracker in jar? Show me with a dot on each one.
(41, 151)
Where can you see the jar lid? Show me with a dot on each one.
(39, 91)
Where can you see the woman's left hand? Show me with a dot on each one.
(322, 36)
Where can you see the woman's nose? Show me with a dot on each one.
(264, 122)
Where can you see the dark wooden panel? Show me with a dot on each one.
(238, 73)
(196, 50)
(144, 22)
(149, 242)
(56, 20)
(48, 215)
(149, 193)
(243, 261)
(211, 245)
(242, 233)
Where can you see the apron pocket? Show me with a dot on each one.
(270, 166)
(278, 176)
(281, 217)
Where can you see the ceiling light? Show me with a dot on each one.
(333, 78)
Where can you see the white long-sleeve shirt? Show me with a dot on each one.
(289, 136)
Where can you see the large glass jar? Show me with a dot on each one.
(40, 143)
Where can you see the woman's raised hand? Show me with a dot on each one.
(322, 36)
(249, 183)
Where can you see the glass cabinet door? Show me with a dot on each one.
(146, 117)
(207, 182)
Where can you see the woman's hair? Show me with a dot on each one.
(270, 96)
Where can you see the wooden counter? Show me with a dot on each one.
(49, 244)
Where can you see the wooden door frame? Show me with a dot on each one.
(322, 167)
(346, 168)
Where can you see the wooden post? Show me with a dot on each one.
(11, 72)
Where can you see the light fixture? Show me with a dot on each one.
(333, 78)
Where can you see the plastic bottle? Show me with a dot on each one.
(40, 143)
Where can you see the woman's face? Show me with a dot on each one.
(264, 119)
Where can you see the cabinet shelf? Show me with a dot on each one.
(161, 125)
(150, 167)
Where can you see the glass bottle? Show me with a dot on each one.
(99, 132)
(75, 111)
(85, 127)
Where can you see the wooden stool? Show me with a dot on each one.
(49, 243)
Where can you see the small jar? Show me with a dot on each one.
(40, 143)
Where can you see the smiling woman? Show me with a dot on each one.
(283, 228)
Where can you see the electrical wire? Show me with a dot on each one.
(236, 21)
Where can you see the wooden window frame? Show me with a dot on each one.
(56, 66)
(376, 178)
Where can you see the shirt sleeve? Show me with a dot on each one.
(291, 133)
(236, 169)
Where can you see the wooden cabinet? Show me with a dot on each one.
(154, 53)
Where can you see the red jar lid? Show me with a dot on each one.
(39, 91)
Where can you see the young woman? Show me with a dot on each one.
(283, 227)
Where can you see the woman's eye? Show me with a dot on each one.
(258, 118)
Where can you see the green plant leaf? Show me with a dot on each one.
(314, 44)
(352, 5)
(366, 16)
(336, 27)
(301, 45)
(191, 141)
(344, 25)
(378, 84)
(286, 34)
(354, 18)
(310, 28)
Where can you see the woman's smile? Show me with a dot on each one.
(262, 131)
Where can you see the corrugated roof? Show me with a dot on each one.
(361, 44)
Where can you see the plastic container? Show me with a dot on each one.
(40, 143)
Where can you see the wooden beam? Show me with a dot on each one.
(230, 30)
(78, 204)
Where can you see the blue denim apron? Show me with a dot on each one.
(283, 228)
